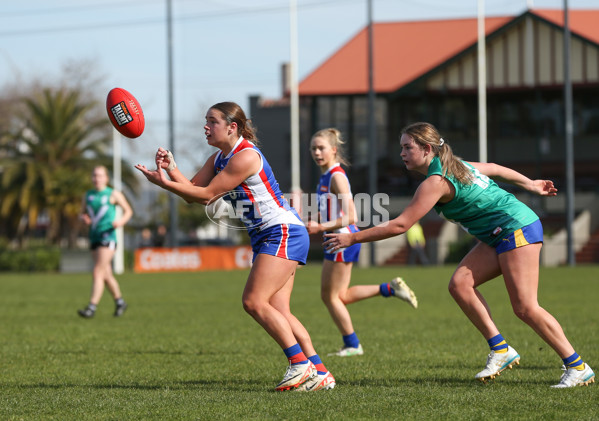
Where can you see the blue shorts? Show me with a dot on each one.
(348, 254)
(288, 241)
(529, 234)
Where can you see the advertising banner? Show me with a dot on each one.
(181, 259)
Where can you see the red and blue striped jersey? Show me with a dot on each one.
(329, 205)
(258, 199)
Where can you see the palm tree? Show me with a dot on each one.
(47, 170)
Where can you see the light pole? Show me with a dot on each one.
(172, 200)
(294, 99)
(482, 84)
(119, 255)
(569, 139)
(372, 170)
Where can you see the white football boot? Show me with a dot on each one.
(297, 374)
(497, 362)
(348, 351)
(573, 377)
(324, 381)
(402, 291)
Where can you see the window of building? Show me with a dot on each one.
(361, 147)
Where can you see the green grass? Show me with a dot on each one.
(186, 350)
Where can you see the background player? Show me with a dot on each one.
(338, 214)
(99, 213)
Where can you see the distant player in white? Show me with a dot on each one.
(337, 213)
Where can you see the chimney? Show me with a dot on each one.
(285, 76)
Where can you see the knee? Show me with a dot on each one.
(326, 296)
(332, 299)
(457, 287)
(462, 287)
(251, 305)
(526, 313)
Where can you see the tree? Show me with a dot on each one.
(48, 159)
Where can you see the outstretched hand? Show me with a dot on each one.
(544, 188)
(335, 242)
(154, 176)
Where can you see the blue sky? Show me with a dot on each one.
(223, 49)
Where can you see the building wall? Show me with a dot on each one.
(525, 111)
(273, 120)
(529, 54)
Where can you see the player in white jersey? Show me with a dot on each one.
(337, 213)
(262, 207)
(240, 174)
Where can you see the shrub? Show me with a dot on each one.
(38, 259)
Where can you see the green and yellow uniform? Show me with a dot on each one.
(483, 208)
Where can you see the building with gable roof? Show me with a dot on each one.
(427, 71)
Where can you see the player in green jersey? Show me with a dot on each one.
(510, 234)
(98, 211)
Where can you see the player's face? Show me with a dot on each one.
(99, 178)
(216, 128)
(323, 153)
(412, 154)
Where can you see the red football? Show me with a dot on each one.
(125, 113)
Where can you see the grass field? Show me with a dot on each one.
(186, 350)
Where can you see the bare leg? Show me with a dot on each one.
(268, 276)
(520, 269)
(477, 267)
(336, 277)
(281, 301)
(110, 280)
(101, 273)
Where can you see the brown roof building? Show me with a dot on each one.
(427, 71)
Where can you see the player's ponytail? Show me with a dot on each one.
(426, 134)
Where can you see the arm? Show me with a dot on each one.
(540, 187)
(165, 160)
(427, 195)
(203, 177)
(83, 215)
(340, 189)
(118, 198)
(240, 167)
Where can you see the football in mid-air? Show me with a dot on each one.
(125, 113)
